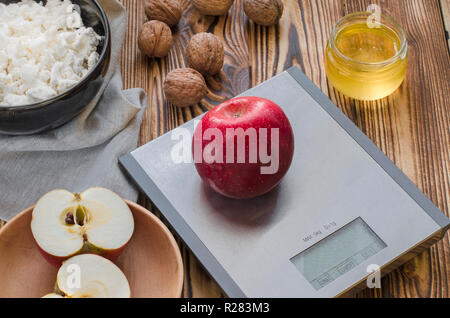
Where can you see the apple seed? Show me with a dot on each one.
(69, 219)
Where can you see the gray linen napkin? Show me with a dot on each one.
(82, 153)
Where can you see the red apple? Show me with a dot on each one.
(243, 147)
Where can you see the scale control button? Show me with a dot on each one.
(324, 280)
(346, 266)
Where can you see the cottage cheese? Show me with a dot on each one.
(44, 50)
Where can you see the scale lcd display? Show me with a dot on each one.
(338, 253)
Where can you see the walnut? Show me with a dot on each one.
(167, 11)
(155, 39)
(212, 7)
(185, 87)
(264, 12)
(205, 53)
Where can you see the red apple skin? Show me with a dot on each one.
(244, 180)
(113, 255)
(57, 261)
(52, 259)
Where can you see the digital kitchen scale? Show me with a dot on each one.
(342, 206)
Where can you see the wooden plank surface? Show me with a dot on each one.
(412, 126)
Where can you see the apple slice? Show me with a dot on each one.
(52, 295)
(96, 221)
(90, 276)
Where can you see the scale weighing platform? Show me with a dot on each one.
(342, 207)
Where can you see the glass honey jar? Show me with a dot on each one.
(366, 59)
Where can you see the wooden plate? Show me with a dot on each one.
(151, 261)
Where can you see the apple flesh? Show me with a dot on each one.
(52, 295)
(90, 276)
(96, 221)
(237, 179)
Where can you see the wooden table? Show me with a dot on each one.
(412, 126)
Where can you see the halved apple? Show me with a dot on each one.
(96, 221)
(90, 276)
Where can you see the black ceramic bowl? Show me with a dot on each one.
(48, 114)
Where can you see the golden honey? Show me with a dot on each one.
(366, 59)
